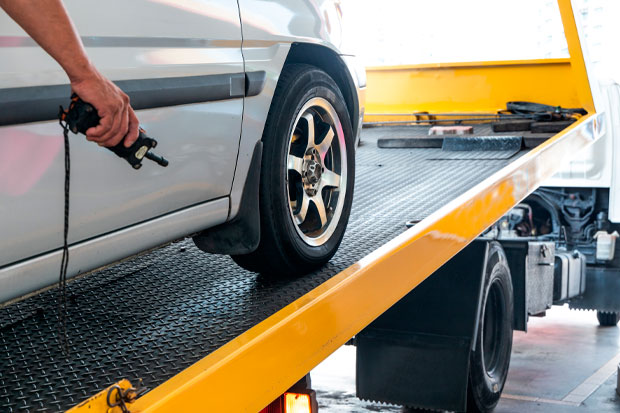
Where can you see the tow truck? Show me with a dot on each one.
(431, 309)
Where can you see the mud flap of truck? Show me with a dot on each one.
(417, 354)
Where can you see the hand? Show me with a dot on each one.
(118, 120)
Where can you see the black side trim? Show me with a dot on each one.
(40, 103)
(242, 234)
(255, 83)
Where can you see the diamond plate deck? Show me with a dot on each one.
(155, 315)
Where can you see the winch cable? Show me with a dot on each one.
(64, 262)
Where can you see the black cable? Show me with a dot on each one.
(78, 118)
(64, 262)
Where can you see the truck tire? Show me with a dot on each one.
(607, 319)
(307, 175)
(490, 358)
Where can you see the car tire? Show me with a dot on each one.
(308, 160)
(607, 319)
(490, 358)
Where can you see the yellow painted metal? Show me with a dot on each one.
(99, 402)
(482, 87)
(268, 358)
(580, 78)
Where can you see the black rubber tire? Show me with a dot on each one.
(490, 358)
(281, 251)
(606, 319)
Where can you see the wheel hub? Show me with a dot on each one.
(312, 172)
(317, 172)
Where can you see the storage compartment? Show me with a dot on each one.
(569, 279)
(539, 276)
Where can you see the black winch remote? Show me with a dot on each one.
(81, 116)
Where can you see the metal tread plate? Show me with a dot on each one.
(154, 315)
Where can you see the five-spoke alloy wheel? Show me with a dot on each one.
(307, 175)
(317, 172)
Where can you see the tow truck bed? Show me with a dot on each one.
(206, 335)
(195, 327)
(157, 314)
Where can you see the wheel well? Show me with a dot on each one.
(328, 61)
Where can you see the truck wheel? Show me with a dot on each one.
(307, 175)
(490, 358)
(606, 319)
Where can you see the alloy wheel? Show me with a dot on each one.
(316, 172)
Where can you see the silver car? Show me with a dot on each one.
(252, 102)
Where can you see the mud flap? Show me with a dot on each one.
(417, 353)
(241, 235)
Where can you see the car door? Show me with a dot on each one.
(185, 53)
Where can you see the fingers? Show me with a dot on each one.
(134, 127)
(112, 130)
(110, 124)
(126, 125)
(117, 121)
(119, 131)
(97, 133)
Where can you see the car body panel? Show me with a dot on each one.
(270, 27)
(41, 271)
(199, 140)
(115, 211)
(277, 21)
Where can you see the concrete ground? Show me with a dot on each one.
(566, 363)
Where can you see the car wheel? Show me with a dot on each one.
(307, 175)
(490, 358)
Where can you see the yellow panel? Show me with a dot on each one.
(249, 372)
(581, 82)
(468, 87)
(482, 87)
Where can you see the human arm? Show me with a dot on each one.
(49, 24)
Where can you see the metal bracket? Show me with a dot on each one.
(107, 401)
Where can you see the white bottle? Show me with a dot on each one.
(605, 245)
